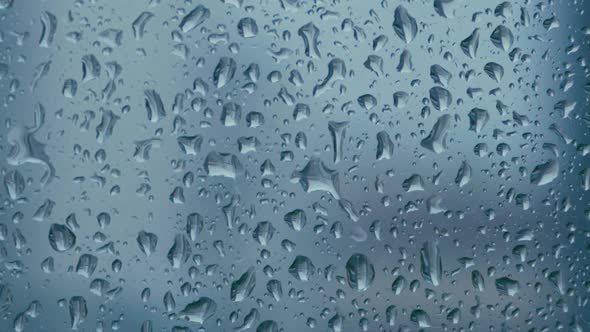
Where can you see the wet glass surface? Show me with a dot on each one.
(294, 165)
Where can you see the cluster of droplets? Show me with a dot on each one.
(295, 165)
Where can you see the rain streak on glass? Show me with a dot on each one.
(295, 165)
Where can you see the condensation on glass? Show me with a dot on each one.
(294, 165)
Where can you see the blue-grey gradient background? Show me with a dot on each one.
(463, 231)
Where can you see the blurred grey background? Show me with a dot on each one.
(132, 174)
